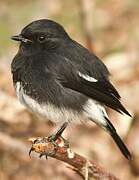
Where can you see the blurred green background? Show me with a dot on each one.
(108, 28)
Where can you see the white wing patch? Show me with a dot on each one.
(88, 78)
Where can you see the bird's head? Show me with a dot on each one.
(40, 35)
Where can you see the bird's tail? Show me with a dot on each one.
(112, 131)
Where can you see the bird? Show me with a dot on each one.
(56, 77)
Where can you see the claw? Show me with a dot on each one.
(30, 151)
(41, 155)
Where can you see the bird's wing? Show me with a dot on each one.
(90, 67)
(100, 90)
(96, 91)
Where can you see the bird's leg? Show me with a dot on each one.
(58, 134)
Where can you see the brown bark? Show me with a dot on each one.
(88, 169)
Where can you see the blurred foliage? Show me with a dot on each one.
(111, 19)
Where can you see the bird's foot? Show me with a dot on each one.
(47, 154)
(43, 146)
(48, 146)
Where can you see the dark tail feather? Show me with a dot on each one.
(121, 145)
(118, 140)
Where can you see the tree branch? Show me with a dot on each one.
(60, 150)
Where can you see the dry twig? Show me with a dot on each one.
(61, 151)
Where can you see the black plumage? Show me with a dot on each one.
(54, 74)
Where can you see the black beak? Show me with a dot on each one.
(21, 39)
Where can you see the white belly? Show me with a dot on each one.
(49, 111)
(91, 109)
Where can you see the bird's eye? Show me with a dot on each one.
(41, 39)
